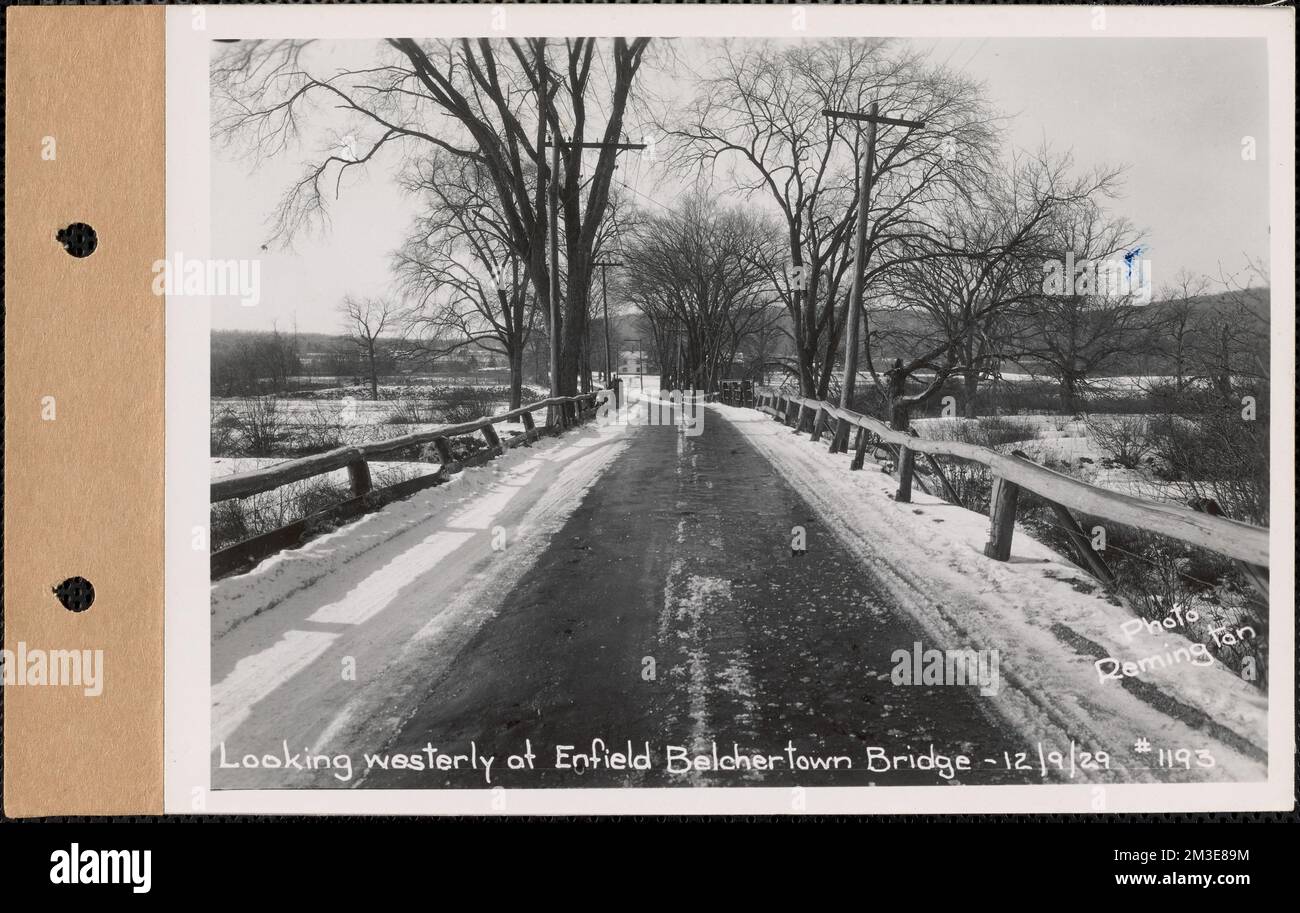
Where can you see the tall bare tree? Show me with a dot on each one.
(968, 283)
(365, 321)
(1180, 324)
(1233, 345)
(494, 102)
(1086, 328)
(698, 275)
(758, 113)
(467, 285)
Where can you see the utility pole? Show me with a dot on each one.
(677, 374)
(604, 298)
(840, 442)
(555, 242)
(553, 197)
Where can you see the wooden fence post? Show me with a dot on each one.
(449, 464)
(530, 429)
(792, 413)
(859, 449)
(840, 443)
(807, 418)
(819, 423)
(493, 439)
(1002, 518)
(906, 469)
(359, 476)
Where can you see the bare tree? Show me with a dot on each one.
(1088, 327)
(1233, 343)
(494, 102)
(621, 218)
(469, 287)
(759, 112)
(365, 320)
(697, 275)
(965, 285)
(1179, 325)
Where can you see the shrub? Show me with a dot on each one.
(990, 431)
(223, 434)
(1127, 438)
(1217, 454)
(973, 482)
(320, 428)
(407, 411)
(261, 425)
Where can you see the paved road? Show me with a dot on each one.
(670, 610)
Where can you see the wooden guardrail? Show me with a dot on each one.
(1244, 542)
(567, 411)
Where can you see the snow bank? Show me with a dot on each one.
(1048, 620)
(238, 598)
(395, 596)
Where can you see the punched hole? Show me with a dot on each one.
(78, 239)
(76, 594)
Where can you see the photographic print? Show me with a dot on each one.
(649, 406)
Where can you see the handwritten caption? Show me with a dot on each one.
(626, 756)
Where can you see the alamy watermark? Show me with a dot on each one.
(1127, 277)
(919, 666)
(673, 407)
(77, 866)
(209, 278)
(53, 668)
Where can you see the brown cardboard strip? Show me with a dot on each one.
(84, 470)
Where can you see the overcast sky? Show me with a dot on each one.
(1174, 110)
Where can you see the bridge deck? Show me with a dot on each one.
(638, 584)
(682, 556)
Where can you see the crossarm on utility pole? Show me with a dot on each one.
(874, 118)
(571, 145)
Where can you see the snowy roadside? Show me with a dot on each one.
(236, 599)
(1048, 620)
(364, 619)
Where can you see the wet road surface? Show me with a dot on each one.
(671, 610)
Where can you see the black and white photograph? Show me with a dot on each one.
(805, 408)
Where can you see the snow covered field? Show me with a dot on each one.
(1047, 618)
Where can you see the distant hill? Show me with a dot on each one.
(1256, 301)
(1246, 313)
